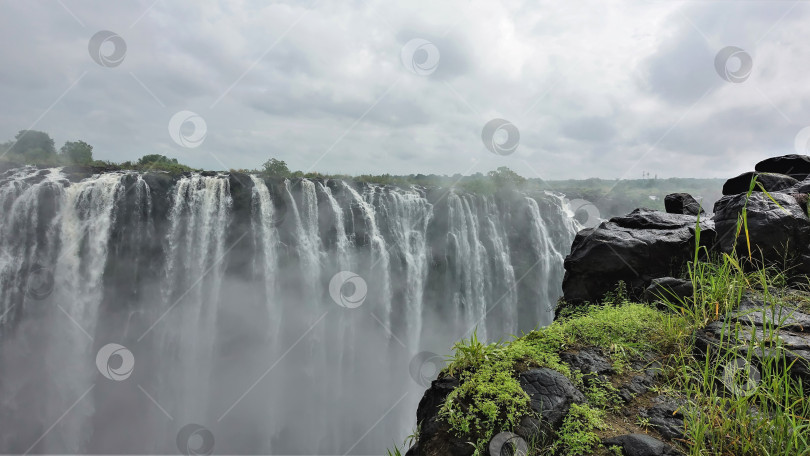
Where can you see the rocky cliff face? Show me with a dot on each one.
(648, 251)
(646, 245)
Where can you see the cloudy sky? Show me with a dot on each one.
(594, 88)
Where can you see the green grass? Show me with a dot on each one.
(768, 417)
(577, 435)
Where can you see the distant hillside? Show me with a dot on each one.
(618, 197)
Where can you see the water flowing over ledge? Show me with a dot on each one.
(219, 286)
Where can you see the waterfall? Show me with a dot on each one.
(264, 227)
(27, 236)
(221, 287)
(61, 235)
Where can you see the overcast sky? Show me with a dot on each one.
(594, 88)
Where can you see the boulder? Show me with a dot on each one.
(589, 361)
(668, 288)
(682, 203)
(550, 392)
(793, 165)
(642, 382)
(790, 326)
(640, 445)
(435, 437)
(637, 248)
(666, 417)
(776, 228)
(551, 395)
(770, 181)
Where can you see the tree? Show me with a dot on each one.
(504, 176)
(156, 158)
(32, 144)
(277, 168)
(77, 152)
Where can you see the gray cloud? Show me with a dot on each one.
(596, 90)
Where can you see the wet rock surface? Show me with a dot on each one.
(637, 248)
(793, 165)
(668, 288)
(776, 225)
(782, 332)
(551, 394)
(640, 445)
(646, 245)
(665, 416)
(771, 182)
(682, 203)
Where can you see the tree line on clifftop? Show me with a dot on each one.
(611, 197)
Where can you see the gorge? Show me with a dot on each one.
(256, 315)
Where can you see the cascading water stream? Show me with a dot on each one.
(199, 218)
(220, 287)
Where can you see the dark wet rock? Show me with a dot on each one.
(640, 445)
(5, 166)
(801, 187)
(666, 417)
(682, 203)
(435, 437)
(729, 340)
(668, 288)
(551, 394)
(770, 181)
(588, 361)
(752, 311)
(774, 230)
(793, 165)
(640, 383)
(637, 248)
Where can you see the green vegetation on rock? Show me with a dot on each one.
(490, 399)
